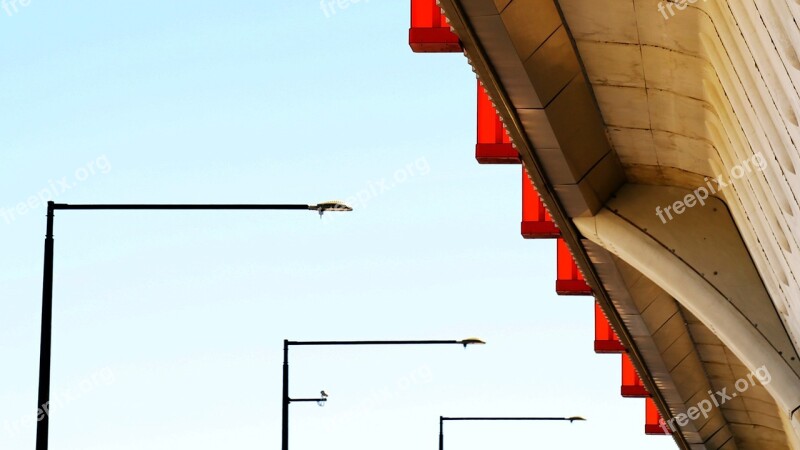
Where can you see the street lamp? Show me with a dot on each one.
(443, 419)
(287, 343)
(43, 404)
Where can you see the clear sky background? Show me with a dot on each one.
(168, 326)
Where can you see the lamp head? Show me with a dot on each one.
(330, 206)
(574, 418)
(471, 341)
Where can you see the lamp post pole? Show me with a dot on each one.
(45, 344)
(442, 419)
(42, 429)
(286, 400)
(441, 433)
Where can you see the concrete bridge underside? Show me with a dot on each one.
(662, 138)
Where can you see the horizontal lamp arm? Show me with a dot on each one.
(65, 206)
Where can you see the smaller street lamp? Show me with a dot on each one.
(442, 419)
(286, 400)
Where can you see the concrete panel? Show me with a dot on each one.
(553, 65)
(501, 52)
(541, 134)
(579, 130)
(624, 106)
(478, 8)
(602, 20)
(612, 63)
(530, 23)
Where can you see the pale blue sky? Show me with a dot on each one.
(168, 326)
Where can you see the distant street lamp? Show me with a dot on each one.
(287, 343)
(43, 403)
(443, 419)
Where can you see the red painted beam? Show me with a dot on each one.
(605, 339)
(570, 281)
(430, 32)
(632, 385)
(653, 423)
(494, 145)
(536, 221)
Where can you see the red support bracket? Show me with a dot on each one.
(536, 221)
(430, 32)
(570, 281)
(654, 424)
(632, 386)
(605, 340)
(494, 145)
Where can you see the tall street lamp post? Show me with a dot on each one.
(288, 343)
(43, 402)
